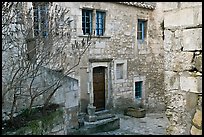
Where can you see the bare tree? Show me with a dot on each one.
(31, 43)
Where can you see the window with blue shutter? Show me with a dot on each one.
(87, 21)
(141, 29)
(100, 23)
(138, 89)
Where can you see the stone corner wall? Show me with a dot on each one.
(183, 67)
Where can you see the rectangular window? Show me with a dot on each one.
(141, 29)
(100, 23)
(138, 89)
(40, 19)
(86, 21)
(119, 71)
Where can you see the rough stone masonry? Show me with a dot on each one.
(183, 67)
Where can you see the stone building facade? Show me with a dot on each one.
(141, 60)
(183, 67)
(148, 55)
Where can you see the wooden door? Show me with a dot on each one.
(99, 88)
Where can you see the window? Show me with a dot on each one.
(141, 29)
(100, 23)
(138, 89)
(119, 71)
(40, 18)
(87, 21)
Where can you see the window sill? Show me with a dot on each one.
(120, 81)
(107, 37)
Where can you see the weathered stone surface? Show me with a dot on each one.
(198, 62)
(189, 84)
(191, 101)
(168, 40)
(190, 4)
(178, 61)
(192, 39)
(197, 120)
(171, 80)
(170, 6)
(199, 13)
(195, 131)
(182, 57)
(181, 17)
(182, 61)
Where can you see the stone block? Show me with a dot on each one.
(199, 19)
(188, 83)
(192, 39)
(89, 118)
(197, 120)
(198, 62)
(190, 4)
(191, 101)
(169, 5)
(182, 61)
(195, 131)
(184, 17)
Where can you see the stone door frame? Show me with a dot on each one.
(106, 65)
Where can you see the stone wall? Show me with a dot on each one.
(183, 67)
(119, 43)
(67, 96)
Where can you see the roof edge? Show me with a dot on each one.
(146, 5)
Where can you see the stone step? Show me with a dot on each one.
(105, 116)
(108, 124)
(102, 112)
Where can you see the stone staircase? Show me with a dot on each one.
(104, 114)
(105, 121)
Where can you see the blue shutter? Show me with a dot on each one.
(90, 22)
(100, 16)
(142, 30)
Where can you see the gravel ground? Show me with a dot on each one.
(152, 124)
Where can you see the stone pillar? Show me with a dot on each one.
(91, 117)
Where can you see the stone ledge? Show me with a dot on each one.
(96, 127)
